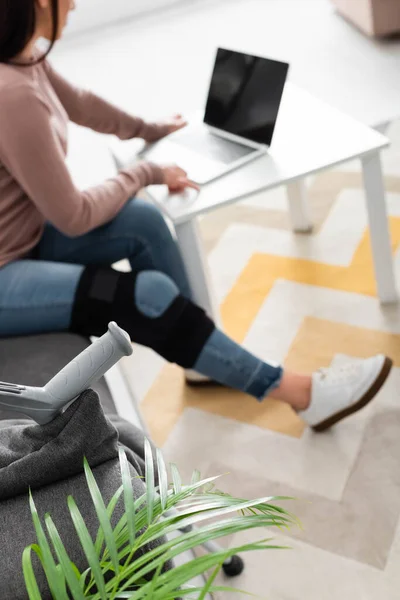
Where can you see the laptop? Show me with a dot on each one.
(239, 120)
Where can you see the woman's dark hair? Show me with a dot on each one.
(17, 26)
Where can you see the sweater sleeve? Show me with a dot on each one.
(87, 109)
(32, 153)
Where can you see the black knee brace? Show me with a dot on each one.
(105, 295)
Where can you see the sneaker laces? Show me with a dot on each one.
(339, 375)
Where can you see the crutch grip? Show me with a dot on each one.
(89, 366)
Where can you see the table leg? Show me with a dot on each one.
(379, 228)
(196, 264)
(298, 207)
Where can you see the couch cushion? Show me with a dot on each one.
(34, 360)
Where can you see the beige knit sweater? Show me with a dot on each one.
(36, 104)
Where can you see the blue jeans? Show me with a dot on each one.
(37, 294)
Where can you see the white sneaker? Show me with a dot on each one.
(338, 392)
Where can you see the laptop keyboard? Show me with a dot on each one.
(212, 146)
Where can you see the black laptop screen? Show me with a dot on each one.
(245, 94)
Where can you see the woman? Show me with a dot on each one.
(56, 243)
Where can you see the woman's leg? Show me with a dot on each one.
(226, 362)
(37, 296)
(138, 233)
(323, 398)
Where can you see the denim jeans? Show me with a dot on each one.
(37, 293)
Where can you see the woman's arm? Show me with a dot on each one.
(87, 109)
(32, 153)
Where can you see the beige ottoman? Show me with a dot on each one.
(375, 17)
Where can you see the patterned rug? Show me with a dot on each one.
(304, 300)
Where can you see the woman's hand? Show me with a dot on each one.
(157, 131)
(176, 179)
(174, 123)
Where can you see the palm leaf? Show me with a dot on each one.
(154, 581)
(210, 582)
(102, 515)
(177, 523)
(196, 476)
(169, 550)
(162, 478)
(210, 503)
(270, 518)
(173, 579)
(172, 501)
(128, 496)
(29, 575)
(176, 478)
(196, 538)
(83, 576)
(195, 518)
(88, 547)
(110, 511)
(55, 582)
(65, 562)
(149, 473)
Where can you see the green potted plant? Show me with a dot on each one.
(115, 567)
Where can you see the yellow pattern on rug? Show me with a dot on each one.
(169, 396)
(254, 284)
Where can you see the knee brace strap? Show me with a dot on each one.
(105, 295)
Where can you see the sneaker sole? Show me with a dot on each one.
(366, 399)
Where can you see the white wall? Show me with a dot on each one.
(97, 13)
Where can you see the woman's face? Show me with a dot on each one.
(45, 23)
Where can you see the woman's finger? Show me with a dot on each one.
(187, 183)
(176, 188)
(180, 173)
(178, 125)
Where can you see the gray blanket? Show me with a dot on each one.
(32, 456)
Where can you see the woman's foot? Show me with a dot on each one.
(338, 392)
(329, 395)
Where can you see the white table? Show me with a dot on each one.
(310, 136)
